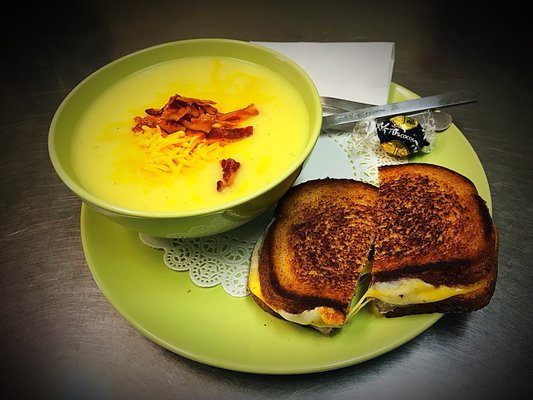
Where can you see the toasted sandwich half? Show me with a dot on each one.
(308, 263)
(436, 247)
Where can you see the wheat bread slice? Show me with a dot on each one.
(434, 226)
(314, 250)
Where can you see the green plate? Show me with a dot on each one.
(209, 326)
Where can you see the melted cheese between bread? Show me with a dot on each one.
(308, 317)
(400, 292)
(416, 291)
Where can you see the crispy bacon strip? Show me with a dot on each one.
(239, 115)
(229, 169)
(195, 115)
(201, 118)
(203, 123)
(230, 134)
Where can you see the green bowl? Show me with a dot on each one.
(186, 224)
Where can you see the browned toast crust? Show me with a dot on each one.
(432, 225)
(425, 221)
(314, 250)
(457, 304)
(265, 307)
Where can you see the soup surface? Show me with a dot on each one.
(111, 163)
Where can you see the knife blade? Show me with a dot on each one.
(409, 106)
(334, 105)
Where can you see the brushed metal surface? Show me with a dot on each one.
(60, 338)
(400, 108)
(334, 105)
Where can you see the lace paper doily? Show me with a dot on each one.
(224, 259)
(211, 261)
(362, 148)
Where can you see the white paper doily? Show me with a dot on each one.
(224, 259)
(210, 261)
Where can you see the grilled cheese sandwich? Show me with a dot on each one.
(425, 237)
(307, 265)
(436, 245)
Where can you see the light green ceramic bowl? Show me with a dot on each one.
(203, 222)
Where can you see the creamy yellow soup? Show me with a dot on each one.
(109, 163)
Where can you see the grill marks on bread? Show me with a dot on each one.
(322, 247)
(425, 222)
(432, 224)
(314, 250)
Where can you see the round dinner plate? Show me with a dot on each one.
(209, 326)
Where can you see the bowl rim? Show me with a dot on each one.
(106, 206)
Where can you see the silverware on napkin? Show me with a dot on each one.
(343, 120)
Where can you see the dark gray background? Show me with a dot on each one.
(60, 336)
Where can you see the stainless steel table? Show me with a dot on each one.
(60, 336)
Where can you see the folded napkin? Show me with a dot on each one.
(355, 71)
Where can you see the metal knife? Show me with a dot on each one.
(334, 105)
(399, 108)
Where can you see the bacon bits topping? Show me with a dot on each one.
(186, 132)
(194, 116)
(229, 169)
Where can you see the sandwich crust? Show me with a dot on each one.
(315, 248)
(424, 223)
(457, 304)
(433, 225)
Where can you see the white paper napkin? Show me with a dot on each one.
(359, 71)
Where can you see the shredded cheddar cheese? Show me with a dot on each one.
(186, 132)
(171, 153)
